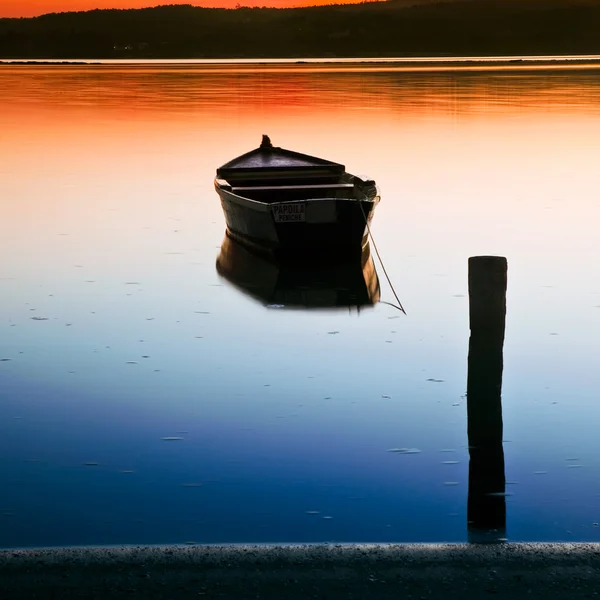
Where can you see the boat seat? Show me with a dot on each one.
(290, 193)
(283, 188)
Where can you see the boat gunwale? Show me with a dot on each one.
(251, 201)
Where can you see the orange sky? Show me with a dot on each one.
(31, 8)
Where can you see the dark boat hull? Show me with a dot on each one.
(335, 225)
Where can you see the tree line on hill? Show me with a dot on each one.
(371, 29)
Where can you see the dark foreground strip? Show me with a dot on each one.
(328, 572)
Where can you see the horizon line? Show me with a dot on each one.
(238, 6)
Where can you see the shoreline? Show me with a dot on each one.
(400, 63)
(430, 571)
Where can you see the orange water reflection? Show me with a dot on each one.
(474, 162)
(79, 141)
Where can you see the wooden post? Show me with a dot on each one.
(486, 510)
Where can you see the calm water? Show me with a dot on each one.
(118, 332)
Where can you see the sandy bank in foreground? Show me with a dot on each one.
(514, 571)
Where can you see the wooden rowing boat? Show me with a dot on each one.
(283, 201)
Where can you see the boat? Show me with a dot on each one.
(297, 283)
(281, 201)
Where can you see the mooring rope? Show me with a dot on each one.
(399, 307)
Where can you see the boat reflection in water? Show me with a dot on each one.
(291, 282)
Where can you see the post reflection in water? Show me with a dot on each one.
(291, 282)
(486, 506)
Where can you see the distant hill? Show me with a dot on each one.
(393, 28)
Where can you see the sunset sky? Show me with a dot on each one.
(32, 8)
